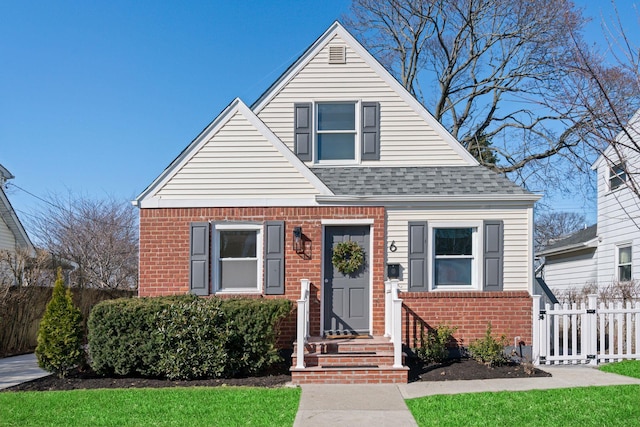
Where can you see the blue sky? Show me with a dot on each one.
(98, 97)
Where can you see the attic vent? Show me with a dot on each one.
(337, 55)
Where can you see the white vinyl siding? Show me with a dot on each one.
(518, 266)
(7, 239)
(405, 138)
(237, 162)
(568, 271)
(618, 221)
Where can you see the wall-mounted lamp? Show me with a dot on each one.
(298, 245)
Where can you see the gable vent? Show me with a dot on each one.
(337, 55)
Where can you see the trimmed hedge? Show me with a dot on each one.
(184, 337)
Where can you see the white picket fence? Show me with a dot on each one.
(585, 334)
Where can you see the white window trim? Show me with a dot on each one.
(357, 125)
(476, 263)
(216, 258)
(617, 259)
(611, 175)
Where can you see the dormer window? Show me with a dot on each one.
(336, 131)
(617, 176)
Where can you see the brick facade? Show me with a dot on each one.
(509, 313)
(164, 252)
(164, 270)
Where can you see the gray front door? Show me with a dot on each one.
(346, 296)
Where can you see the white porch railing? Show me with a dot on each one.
(587, 334)
(303, 322)
(393, 319)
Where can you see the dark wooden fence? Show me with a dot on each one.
(22, 308)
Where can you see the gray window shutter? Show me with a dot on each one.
(199, 258)
(302, 131)
(370, 131)
(274, 258)
(493, 255)
(418, 278)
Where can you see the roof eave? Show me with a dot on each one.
(589, 244)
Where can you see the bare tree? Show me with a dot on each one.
(608, 86)
(22, 268)
(554, 225)
(495, 71)
(99, 237)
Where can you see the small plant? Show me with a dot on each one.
(60, 334)
(433, 346)
(489, 350)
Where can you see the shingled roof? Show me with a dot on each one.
(437, 181)
(574, 241)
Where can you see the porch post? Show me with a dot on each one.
(535, 345)
(302, 332)
(396, 322)
(387, 309)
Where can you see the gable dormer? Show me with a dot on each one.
(337, 106)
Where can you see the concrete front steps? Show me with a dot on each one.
(348, 361)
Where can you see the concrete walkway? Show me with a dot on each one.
(19, 369)
(383, 405)
(379, 405)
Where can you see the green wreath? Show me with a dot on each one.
(347, 257)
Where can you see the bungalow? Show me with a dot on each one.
(337, 179)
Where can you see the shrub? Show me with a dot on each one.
(184, 337)
(489, 350)
(253, 331)
(434, 344)
(60, 334)
(121, 338)
(192, 337)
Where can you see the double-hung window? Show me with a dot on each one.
(617, 176)
(624, 263)
(454, 257)
(239, 258)
(336, 131)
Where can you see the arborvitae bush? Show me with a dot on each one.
(184, 337)
(60, 334)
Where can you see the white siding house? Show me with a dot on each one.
(609, 251)
(337, 152)
(12, 234)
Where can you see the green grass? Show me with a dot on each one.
(198, 406)
(630, 368)
(589, 406)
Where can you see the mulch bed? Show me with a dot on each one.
(455, 369)
(469, 369)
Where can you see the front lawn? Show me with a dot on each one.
(589, 406)
(220, 406)
(630, 368)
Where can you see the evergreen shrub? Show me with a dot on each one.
(60, 333)
(184, 337)
(489, 350)
(434, 345)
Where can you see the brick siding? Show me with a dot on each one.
(509, 313)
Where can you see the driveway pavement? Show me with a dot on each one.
(19, 369)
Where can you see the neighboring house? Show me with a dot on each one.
(12, 234)
(336, 150)
(608, 251)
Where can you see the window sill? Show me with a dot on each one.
(240, 292)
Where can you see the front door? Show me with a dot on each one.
(346, 296)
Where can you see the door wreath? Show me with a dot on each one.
(347, 257)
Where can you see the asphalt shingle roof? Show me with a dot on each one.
(580, 236)
(442, 180)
